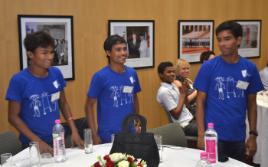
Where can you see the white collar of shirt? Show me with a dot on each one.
(168, 85)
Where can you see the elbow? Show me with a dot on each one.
(10, 119)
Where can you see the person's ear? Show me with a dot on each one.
(30, 54)
(160, 76)
(108, 53)
(239, 40)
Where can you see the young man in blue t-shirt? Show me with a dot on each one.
(36, 94)
(227, 87)
(115, 89)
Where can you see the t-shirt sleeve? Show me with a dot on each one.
(202, 79)
(15, 90)
(137, 87)
(61, 79)
(95, 87)
(167, 101)
(255, 84)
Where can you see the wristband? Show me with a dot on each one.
(253, 132)
(70, 118)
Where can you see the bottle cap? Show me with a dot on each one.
(57, 121)
(203, 155)
(210, 125)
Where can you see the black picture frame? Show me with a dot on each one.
(61, 29)
(194, 37)
(141, 49)
(250, 46)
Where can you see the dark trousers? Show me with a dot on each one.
(231, 149)
(191, 129)
(80, 124)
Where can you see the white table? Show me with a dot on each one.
(172, 157)
(262, 127)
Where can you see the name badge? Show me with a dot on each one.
(55, 96)
(127, 89)
(242, 85)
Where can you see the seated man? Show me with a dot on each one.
(36, 95)
(173, 100)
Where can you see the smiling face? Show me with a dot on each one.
(228, 44)
(168, 75)
(41, 57)
(184, 70)
(118, 54)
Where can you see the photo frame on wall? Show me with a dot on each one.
(139, 35)
(194, 37)
(61, 29)
(251, 41)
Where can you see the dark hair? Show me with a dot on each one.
(233, 26)
(113, 40)
(163, 65)
(38, 39)
(205, 55)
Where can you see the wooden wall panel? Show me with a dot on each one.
(90, 30)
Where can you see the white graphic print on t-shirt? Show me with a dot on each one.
(44, 103)
(119, 97)
(226, 88)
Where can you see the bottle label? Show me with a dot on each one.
(211, 146)
(59, 145)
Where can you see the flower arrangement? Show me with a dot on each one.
(118, 160)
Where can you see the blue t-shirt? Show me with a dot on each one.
(227, 87)
(38, 100)
(115, 98)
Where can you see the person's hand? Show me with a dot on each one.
(251, 146)
(200, 142)
(184, 88)
(77, 140)
(177, 83)
(138, 129)
(96, 139)
(45, 148)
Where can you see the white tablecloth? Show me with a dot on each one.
(262, 127)
(172, 157)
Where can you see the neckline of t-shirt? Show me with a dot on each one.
(230, 64)
(40, 78)
(120, 74)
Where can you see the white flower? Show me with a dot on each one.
(123, 164)
(115, 157)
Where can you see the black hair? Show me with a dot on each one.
(163, 65)
(113, 40)
(38, 39)
(205, 55)
(233, 26)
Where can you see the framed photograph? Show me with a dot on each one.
(61, 29)
(139, 35)
(195, 37)
(251, 41)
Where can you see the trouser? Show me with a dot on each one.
(233, 149)
(191, 129)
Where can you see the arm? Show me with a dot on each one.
(176, 112)
(14, 108)
(251, 144)
(65, 110)
(192, 96)
(200, 108)
(91, 119)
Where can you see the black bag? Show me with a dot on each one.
(140, 145)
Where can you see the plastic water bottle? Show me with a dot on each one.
(211, 141)
(203, 160)
(58, 142)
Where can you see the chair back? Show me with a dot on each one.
(9, 143)
(172, 134)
